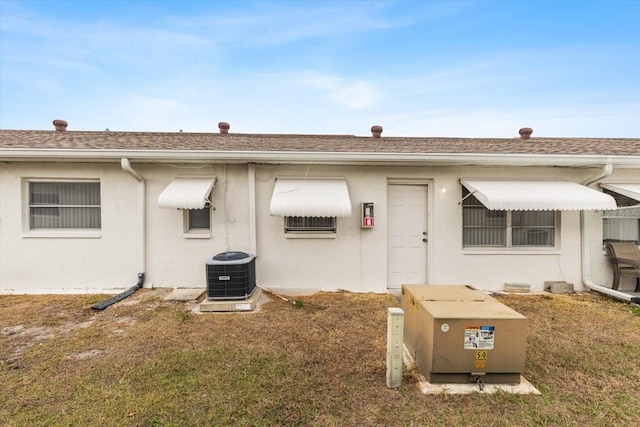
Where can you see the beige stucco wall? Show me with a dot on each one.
(354, 260)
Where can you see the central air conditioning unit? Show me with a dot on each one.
(231, 276)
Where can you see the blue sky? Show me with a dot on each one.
(429, 68)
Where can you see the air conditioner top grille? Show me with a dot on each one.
(231, 258)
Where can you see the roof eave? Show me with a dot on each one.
(316, 157)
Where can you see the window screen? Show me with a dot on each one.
(314, 224)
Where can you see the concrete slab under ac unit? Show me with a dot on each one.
(256, 299)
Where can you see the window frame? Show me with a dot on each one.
(469, 201)
(28, 231)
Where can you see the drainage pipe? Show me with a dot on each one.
(142, 221)
(253, 239)
(104, 304)
(586, 248)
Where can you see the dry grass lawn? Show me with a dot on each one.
(149, 362)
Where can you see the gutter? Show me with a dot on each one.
(585, 245)
(317, 157)
(142, 223)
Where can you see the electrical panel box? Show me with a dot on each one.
(458, 334)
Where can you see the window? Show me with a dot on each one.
(621, 229)
(482, 227)
(64, 205)
(198, 219)
(197, 223)
(313, 224)
(532, 228)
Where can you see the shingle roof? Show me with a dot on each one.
(91, 140)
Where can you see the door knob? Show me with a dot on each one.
(424, 240)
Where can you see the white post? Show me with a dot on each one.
(395, 332)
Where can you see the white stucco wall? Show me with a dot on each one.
(352, 260)
(32, 263)
(355, 260)
(174, 260)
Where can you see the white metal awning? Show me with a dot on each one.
(187, 193)
(538, 195)
(630, 190)
(321, 197)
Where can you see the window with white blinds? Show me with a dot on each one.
(482, 227)
(64, 205)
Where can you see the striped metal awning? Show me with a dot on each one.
(311, 197)
(187, 193)
(538, 195)
(630, 190)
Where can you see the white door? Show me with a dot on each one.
(407, 251)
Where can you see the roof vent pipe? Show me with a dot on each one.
(60, 125)
(376, 131)
(525, 133)
(224, 127)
